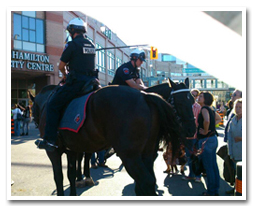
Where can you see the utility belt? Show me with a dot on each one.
(91, 73)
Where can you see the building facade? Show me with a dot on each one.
(37, 42)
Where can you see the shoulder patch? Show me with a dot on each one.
(126, 70)
(66, 46)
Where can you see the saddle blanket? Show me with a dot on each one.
(75, 114)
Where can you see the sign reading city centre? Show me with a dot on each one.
(22, 60)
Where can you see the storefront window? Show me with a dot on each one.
(29, 32)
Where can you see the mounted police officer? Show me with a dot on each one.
(128, 73)
(79, 55)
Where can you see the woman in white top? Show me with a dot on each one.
(15, 113)
(235, 133)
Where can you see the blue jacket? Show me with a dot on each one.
(235, 130)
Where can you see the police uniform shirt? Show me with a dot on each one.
(80, 54)
(124, 73)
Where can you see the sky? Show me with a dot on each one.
(187, 33)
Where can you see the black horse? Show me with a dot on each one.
(139, 121)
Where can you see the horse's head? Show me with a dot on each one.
(182, 100)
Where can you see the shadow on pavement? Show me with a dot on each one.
(178, 187)
(33, 134)
(96, 174)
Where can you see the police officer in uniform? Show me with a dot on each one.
(79, 54)
(128, 73)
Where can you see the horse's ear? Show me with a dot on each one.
(187, 82)
(31, 96)
(171, 83)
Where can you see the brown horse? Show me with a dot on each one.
(139, 121)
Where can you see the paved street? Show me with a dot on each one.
(32, 174)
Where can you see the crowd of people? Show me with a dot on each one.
(22, 117)
(205, 139)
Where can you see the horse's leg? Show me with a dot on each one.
(55, 158)
(71, 156)
(144, 181)
(88, 180)
(78, 166)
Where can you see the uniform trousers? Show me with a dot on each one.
(63, 95)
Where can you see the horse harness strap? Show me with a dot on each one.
(171, 101)
(181, 90)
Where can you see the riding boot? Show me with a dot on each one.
(44, 144)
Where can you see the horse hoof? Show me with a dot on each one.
(80, 184)
(89, 182)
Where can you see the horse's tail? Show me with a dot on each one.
(170, 127)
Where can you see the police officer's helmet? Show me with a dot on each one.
(138, 54)
(76, 25)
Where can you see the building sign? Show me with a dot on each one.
(30, 61)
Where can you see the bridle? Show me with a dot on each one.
(171, 101)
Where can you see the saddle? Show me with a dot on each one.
(75, 112)
(73, 115)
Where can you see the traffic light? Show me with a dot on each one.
(153, 53)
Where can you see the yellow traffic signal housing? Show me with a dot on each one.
(153, 53)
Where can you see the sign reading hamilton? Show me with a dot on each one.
(31, 61)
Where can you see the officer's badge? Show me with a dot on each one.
(126, 71)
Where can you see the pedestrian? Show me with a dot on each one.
(17, 117)
(99, 161)
(79, 54)
(236, 95)
(230, 107)
(172, 161)
(208, 142)
(191, 141)
(26, 120)
(128, 73)
(235, 136)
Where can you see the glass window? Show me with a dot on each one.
(118, 62)
(24, 34)
(111, 63)
(210, 83)
(100, 59)
(25, 22)
(32, 36)
(16, 27)
(29, 13)
(14, 93)
(22, 93)
(39, 31)
(28, 31)
(17, 44)
(39, 47)
(32, 23)
(29, 46)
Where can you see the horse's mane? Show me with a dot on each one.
(156, 87)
